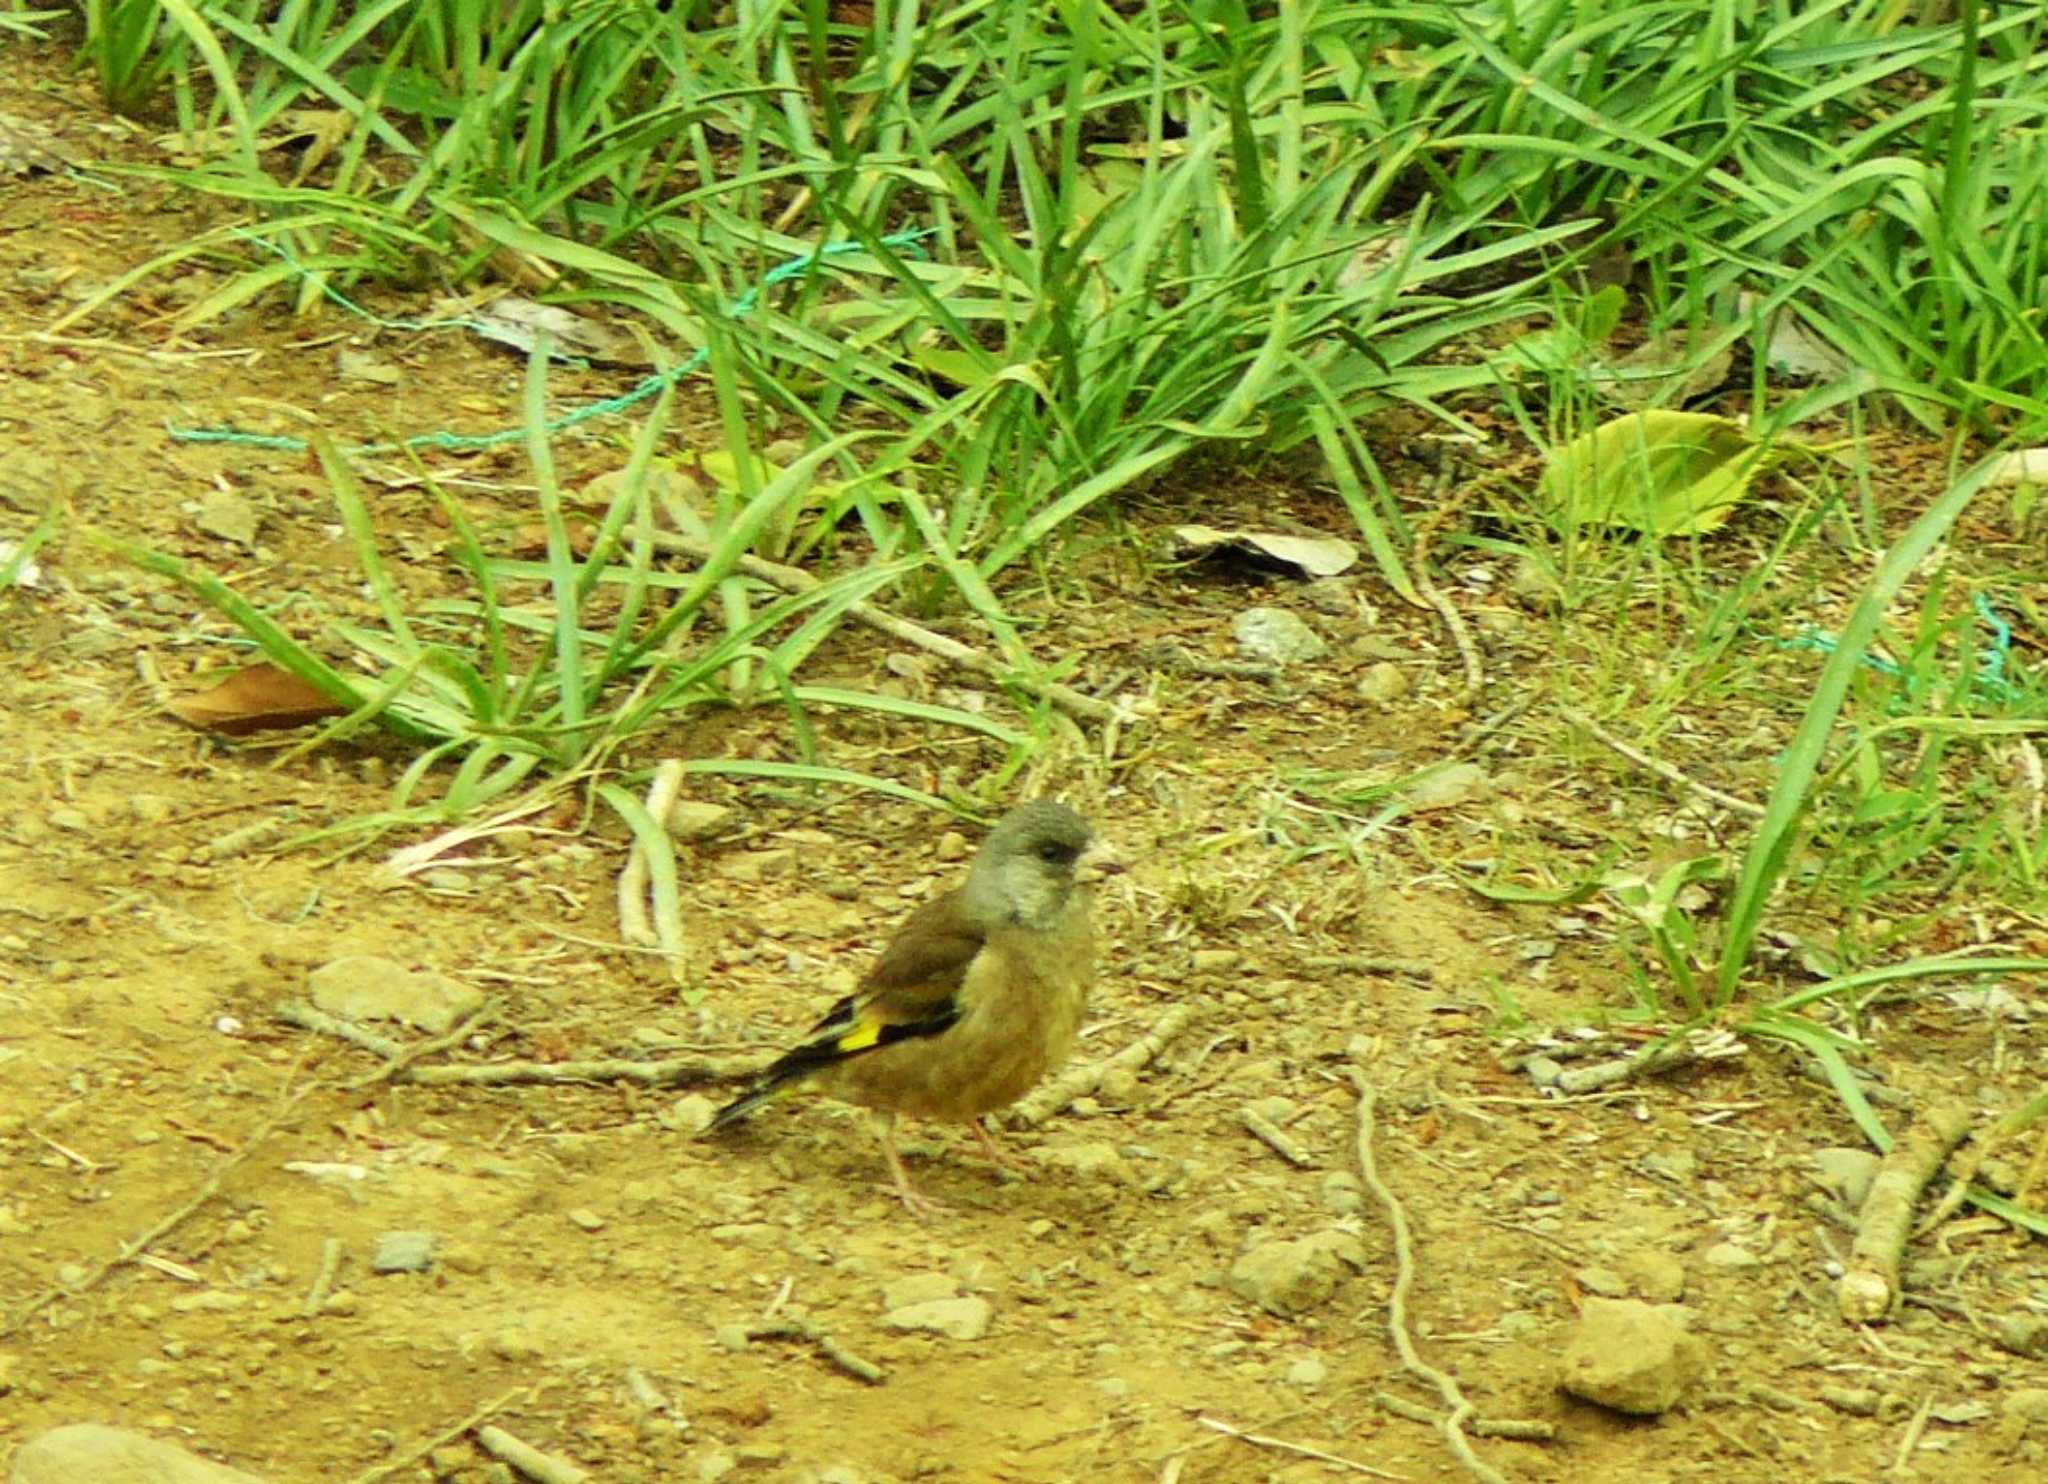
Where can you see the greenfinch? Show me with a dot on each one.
(978, 996)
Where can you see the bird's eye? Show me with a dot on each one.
(1055, 854)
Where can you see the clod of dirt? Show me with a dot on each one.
(1382, 683)
(1291, 1277)
(955, 1318)
(693, 819)
(1460, 783)
(919, 1288)
(1656, 1276)
(1632, 1357)
(1730, 1257)
(1275, 636)
(691, 1114)
(2024, 1409)
(113, 1455)
(1094, 1162)
(229, 517)
(364, 987)
(404, 1252)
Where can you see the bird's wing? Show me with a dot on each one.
(911, 991)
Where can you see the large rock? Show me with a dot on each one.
(86, 1453)
(364, 987)
(1631, 1356)
(1291, 1277)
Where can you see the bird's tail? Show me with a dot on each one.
(767, 1090)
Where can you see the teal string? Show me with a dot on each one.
(650, 386)
(1990, 680)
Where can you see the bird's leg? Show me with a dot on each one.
(919, 1206)
(995, 1153)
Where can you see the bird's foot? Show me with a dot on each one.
(997, 1155)
(916, 1202)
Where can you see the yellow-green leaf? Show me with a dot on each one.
(1662, 473)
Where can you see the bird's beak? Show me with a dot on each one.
(1097, 861)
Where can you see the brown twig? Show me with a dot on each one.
(1452, 1423)
(1870, 1290)
(1300, 1449)
(797, 1329)
(407, 1460)
(1079, 1081)
(1661, 768)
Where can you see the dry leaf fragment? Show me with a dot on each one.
(262, 698)
(1310, 556)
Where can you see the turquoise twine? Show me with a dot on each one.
(648, 387)
(1990, 679)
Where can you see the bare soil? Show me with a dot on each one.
(148, 935)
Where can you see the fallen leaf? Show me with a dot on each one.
(262, 698)
(1311, 556)
(1662, 473)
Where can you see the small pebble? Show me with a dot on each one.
(586, 1218)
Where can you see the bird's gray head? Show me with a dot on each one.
(1031, 862)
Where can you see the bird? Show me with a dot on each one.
(977, 997)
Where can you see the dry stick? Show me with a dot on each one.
(1711, 1044)
(1915, 1429)
(681, 1072)
(1276, 1138)
(831, 1349)
(323, 1281)
(1661, 768)
(1869, 1290)
(1475, 674)
(1298, 1448)
(794, 580)
(1452, 1424)
(1078, 1082)
(544, 1468)
(1518, 1429)
(306, 1018)
(406, 1461)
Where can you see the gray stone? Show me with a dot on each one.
(1276, 636)
(1291, 1277)
(1632, 1357)
(365, 987)
(1846, 1172)
(955, 1318)
(86, 1453)
(404, 1252)
(919, 1288)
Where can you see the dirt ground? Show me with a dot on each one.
(596, 1266)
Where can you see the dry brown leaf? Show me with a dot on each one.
(262, 698)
